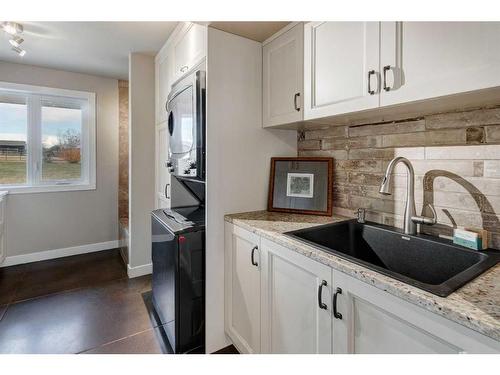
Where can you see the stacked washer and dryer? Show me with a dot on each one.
(178, 234)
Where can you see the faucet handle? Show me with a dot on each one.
(361, 213)
(424, 219)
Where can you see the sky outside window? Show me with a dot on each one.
(61, 142)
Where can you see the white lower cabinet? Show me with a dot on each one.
(296, 302)
(279, 301)
(372, 323)
(242, 289)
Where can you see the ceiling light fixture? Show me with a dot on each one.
(12, 28)
(19, 51)
(16, 41)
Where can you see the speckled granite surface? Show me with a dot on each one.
(476, 305)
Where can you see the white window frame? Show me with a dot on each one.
(34, 184)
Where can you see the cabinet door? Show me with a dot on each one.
(338, 59)
(373, 323)
(164, 77)
(242, 294)
(292, 320)
(163, 187)
(431, 59)
(283, 78)
(189, 48)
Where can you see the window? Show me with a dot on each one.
(47, 139)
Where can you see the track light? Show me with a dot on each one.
(16, 41)
(12, 28)
(19, 51)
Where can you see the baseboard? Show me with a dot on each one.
(145, 269)
(59, 253)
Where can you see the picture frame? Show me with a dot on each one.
(302, 185)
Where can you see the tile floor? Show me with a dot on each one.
(78, 304)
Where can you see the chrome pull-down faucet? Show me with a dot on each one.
(410, 217)
(409, 226)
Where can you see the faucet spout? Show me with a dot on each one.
(410, 227)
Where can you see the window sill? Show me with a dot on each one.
(47, 188)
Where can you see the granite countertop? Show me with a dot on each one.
(475, 306)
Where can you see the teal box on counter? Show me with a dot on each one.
(471, 244)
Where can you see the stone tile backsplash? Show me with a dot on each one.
(123, 150)
(456, 157)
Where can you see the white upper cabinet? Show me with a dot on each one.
(190, 48)
(164, 71)
(341, 65)
(283, 78)
(296, 302)
(423, 60)
(163, 183)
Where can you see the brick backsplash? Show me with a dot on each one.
(456, 157)
(123, 150)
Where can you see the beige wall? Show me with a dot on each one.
(456, 157)
(49, 221)
(142, 161)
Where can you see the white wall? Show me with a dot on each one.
(238, 155)
(141, 161)
(48, 221)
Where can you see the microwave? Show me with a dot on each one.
(185, 108)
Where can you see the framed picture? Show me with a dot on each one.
(301, 185)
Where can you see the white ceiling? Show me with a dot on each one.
(99, 48)
(257, 30)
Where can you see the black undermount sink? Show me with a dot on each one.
(429, 263)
